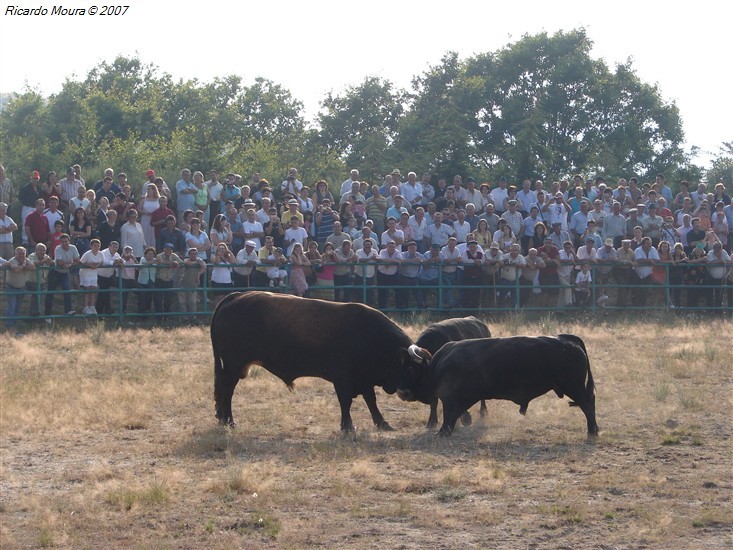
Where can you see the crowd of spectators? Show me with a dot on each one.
(405, 243)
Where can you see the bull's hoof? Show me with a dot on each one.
(444, 432)
(228, 422)
(466, 419)
(484, 411)
(385, 427)
(348, 430)
(431, 423)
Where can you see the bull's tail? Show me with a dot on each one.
(578, 343)
(220, 386)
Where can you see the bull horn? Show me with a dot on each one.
(414, 352)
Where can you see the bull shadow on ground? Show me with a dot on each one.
(530, 447)
(540, 448)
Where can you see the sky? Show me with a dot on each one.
(312, 47)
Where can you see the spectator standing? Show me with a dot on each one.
(185, 193)
(168, 263)
(37, 228)
(645, 257)
(7, 227)
(19, 268)
(718, 261)
(131, 234)
(215, 191)
(66, 256)
(7, 192)
(38, 279)
(193, 268)
(107, 277)
(90, 261)
(387, 277)
(298, 261)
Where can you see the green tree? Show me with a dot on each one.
(721, 169)
(360, 125)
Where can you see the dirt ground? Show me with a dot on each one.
(111, 442)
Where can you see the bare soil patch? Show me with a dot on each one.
(108, 440)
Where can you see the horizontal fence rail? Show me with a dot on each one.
(615, 290)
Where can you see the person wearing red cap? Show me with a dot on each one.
(28, 196)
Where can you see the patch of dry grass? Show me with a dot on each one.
(112, 437)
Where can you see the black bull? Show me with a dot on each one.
(352, 346)
(451, 330)
(517, 369)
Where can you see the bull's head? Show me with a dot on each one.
(415, 374)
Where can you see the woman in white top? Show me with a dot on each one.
(198, 239)
(131, 234)
(221, 273)
(220, 231)
(90, 261)
(146, 206)
(504, 236)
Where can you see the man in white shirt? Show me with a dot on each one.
(451, 256)
(461, 227)
(7, 226)
(439, 232)
(365, 275)
(558, 210)
(419, 226)
(645, 257)
(387, 277)
(499, 195)
(526, 197)
(292, 184)
(253, 229)
(247, 259)
(294, 234)
(513, 218)
(346, 185)
(411, 191)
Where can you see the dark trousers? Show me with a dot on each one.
(622, 276)
(58, 280)
(471, 297)
(164, 297)
(35, 299)
(402, 295)
(450, 281)
(365, 292)
(145, 297)
(339, 282)
(241, 281)
(104, 297)
(716, 292)
(525, 291)
(384, 282)
(426, 287)
(128, 285)
(639, 290)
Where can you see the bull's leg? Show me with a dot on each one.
(466, 419)
(451, 413)
(345, 401)
(587, 404)
(371, 400)
(223, 391)
(433, 418)
(484, 411)
(589, 410)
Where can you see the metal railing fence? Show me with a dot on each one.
(617, 290)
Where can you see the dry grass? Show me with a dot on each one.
(110, 441)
